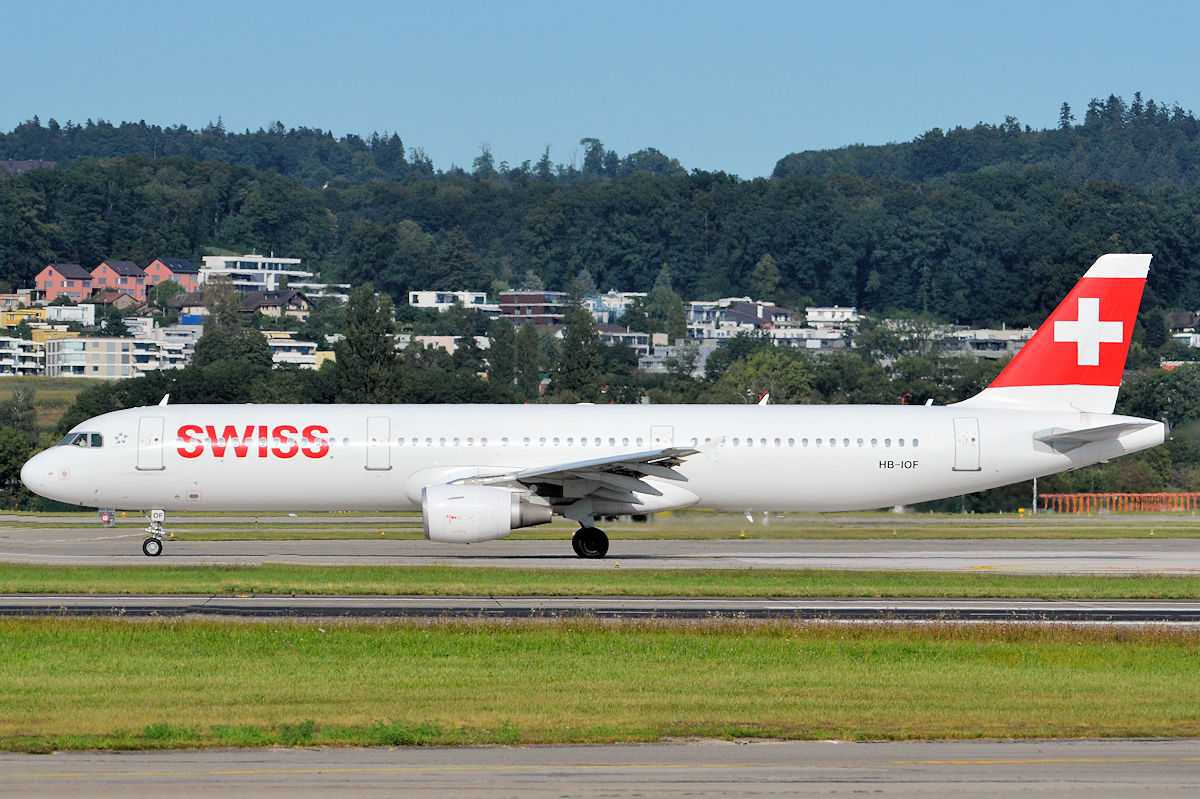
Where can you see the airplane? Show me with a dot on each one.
(478, 472)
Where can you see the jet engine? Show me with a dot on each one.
(465, 514)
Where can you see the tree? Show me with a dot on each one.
(528, 354)
(242, 345)
(161, 294)
(764, 280)
(366, 357)
(502, 354)
(222, 302)
(579, 372)
(780, 372)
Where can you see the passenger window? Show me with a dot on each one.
(860, 442)
(845, 442)
(914, 442)
(887, 442)
(791, 442)
(900, 442)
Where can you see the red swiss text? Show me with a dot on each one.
(253, 440)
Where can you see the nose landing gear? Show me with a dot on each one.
(152, 546)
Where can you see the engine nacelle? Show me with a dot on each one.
(465, 514)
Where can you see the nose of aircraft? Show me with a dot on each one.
(35, 473)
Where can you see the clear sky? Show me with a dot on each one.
(729, 86)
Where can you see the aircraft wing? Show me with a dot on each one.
(614, 478)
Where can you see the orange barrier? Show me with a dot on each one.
(1121, 503)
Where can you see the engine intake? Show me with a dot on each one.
(466, 514)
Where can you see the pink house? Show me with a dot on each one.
(57, 280)
(181, 270)
(122, 276)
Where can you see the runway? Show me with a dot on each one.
(930, 770)
(623, 608)
(1123, 556)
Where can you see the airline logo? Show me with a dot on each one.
(1087, 332)
(1085, 340)
(253, 441)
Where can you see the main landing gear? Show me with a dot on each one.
(590, 542)
(152, 546)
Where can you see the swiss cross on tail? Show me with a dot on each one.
(1075, 360)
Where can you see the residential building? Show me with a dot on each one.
(253, 272)
(278, 304)
(180, 270)
(835, 317)
(16, 317)
(286, 349)
(717, 320)
(442, 300)
(538, 307)
(19, 356)
(114, 358)
(609, 308)
(117, 299)
(43, 332)
(83, 314)
(22, 298)
(985, 343)
(125, 277)
(62, 280)
(636, 340)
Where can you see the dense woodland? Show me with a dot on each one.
(988, 225)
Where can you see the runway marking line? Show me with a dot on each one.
(610, 767)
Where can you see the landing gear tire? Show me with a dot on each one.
(590, 542)
(152, 547)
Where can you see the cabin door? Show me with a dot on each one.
(966, 444)
(661, 436)
(150, 444)
(379, 454)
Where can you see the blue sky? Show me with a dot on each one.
(720, 86)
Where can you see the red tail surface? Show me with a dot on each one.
(1076, 359)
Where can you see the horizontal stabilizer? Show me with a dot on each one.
(1067, 440)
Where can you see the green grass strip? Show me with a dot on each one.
(92, 684)
(484, 581)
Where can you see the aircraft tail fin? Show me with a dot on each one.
(1075, 360)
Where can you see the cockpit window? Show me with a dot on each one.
(82, 440)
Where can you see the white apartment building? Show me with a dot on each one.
(83, 314)
(443, 300)
(20, 356)
(252, 272)
(832, 317)
(285, 349)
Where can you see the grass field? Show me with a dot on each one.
(286, 579)
(68, 684)
(52, 395)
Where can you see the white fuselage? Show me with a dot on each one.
(379, 457)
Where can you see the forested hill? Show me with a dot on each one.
(310, 156)
(1141, 142)
(995, 244)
